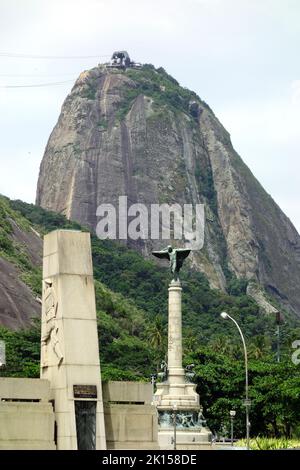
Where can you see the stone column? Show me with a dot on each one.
(69, 341)
(176, 390)
(176, 372)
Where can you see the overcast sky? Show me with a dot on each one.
(240, 56)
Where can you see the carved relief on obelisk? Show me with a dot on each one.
(50, 336)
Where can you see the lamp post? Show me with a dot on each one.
(225, 316)
(2, 354)
(232, 414)
(174, 415)
(278, 321)
(153, 382)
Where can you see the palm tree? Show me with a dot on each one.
(221, 345)
(156, 333)
(190, 341)
(259, 347)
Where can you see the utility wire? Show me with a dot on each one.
(22, 75)
(36, 85)
(32, 56)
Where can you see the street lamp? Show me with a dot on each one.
(232, 414)
(174, 415)
(278, 321)
(153, 382)
(2, 354)
(225, 316)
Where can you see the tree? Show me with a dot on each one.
(221, 344)
(156, 332)
(259, 347)
(274, 390)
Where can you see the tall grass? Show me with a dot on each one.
(269, 443)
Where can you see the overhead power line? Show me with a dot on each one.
(33, 56)
(22, 75)
(36, 85)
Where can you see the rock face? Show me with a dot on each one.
(138, 133)
(20, 254)
(17, 303)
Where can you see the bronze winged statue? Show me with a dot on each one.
(176, 256)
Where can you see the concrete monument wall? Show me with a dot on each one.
(26, 416)
(130, 418)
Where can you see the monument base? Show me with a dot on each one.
(184, 394)
(186, 439)
(191, 430)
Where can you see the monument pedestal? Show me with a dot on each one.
(176, 398)
(69, 342)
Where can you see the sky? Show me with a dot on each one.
(240, 56)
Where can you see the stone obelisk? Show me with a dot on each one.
(69, 341)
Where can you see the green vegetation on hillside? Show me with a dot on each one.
(131, 301)
(161, 87)
(13, 251)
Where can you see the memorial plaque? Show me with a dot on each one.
(85, 391)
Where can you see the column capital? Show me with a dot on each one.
(175, 285)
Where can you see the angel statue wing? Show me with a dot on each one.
(176, 256)
(165, 253)
(181, 253)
